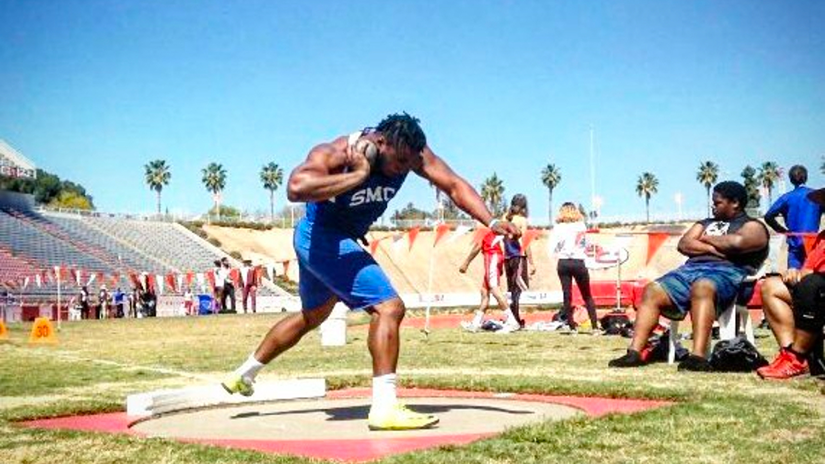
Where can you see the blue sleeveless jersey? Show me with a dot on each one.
(354, 211)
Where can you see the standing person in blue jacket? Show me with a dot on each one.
(800, 214)
(347, 184)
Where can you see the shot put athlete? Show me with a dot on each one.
(347, 184)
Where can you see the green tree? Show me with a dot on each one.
(272, 177)
(707, 175)
(46, 188)
(410, 212)
(646, 186)
(214, 179)
(752, 186)
(492, 192)
(550, 177)
(225, 211)
(71, 200)
(768, 177)
(157, 177)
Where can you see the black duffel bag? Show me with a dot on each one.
(736, 355)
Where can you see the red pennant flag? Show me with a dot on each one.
(479, 234)
(413, 233)
(528, 237)
(374, 245)
(170, 282)
(189, 276)
(115, 280)
(440, 231)
(655, 241)
(235, 275)
(259, 274)
(150, 282)
(101, 278)
(133, 277)
(75, 275)
(210, 277)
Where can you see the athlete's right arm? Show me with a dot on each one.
(322, 175)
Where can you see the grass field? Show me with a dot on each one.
(718, 418)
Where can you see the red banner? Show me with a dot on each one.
(655, 241)
(374, 245)
(235, 275)
(135, 280)
(150, 282)
(528, 237)
(440, 231)
(413, 233)
(189, 277)
(210, 277)
(170, 282)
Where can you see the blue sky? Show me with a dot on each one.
(92, 90)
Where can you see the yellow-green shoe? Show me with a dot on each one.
(399, 417)
(238, 384)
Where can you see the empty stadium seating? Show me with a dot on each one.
(31, 242)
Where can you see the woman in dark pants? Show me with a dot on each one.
(517, 258)
(569, 244)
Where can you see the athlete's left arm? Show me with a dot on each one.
(751, 237)
(435, 170)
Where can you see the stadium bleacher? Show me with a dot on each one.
(32, 241)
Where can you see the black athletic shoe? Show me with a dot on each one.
(694, 363)
(632, 359)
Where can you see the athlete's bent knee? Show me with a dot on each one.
(393, 308)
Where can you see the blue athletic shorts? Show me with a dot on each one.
(330, 263)
(676, 283)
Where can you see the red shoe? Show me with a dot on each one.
(785, 366)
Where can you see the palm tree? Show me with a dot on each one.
(492, 192)
(707, 175)
(214, 179)
(768, 176)
(272, 177)
(646, 186)
(550, 177)
(157, 176)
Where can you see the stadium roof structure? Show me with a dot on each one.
(14, 164)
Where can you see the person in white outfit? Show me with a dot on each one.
(569, 244)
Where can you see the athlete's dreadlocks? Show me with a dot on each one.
(403, 129)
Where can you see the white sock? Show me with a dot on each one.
(250, 368)
(479, 318)
(383, 391)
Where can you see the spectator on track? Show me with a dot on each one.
(799, 212)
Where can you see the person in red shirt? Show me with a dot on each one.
(492, 248)
(796, 303)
